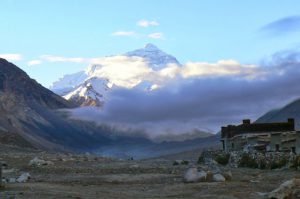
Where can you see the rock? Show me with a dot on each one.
(135, 166)
(209, 176)
(23, 178)
(12, 180)
(193, 175)
(7, 171)
(177, 162)
(286, 190)
(227, 175)
(39, 162)
(180, 162)
(218, 178)
(201, 176)
(214, 168)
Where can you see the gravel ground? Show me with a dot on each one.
(86, 176)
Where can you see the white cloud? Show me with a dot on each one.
(221, 68)
(129, 72)
(34, 62)
(122, 71)
(156, 35)
(146, 23)
(124, 33)
(52, 58)
(11, 57)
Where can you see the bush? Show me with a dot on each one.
(201, 160)
(222, 159)
(262, 164)
(185, 162)
(247, 161)
(279, 163)
(296, 163)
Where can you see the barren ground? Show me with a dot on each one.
(90, 177)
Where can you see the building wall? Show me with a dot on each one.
(275, 140)
(298, 142)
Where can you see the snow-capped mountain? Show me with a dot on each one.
(90, 93)
(90, 87)
(68, 83)
(156, 58)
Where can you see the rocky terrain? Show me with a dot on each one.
(87, 176)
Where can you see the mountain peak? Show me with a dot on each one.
(151, 47)
(156, 57)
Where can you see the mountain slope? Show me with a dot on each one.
(88, 88)
(291, 110)
(27, 110)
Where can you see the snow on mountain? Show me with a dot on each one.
(68, 82)
(156, 58)
(90, 87)
(91, 93)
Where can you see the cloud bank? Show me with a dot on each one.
(198, 96)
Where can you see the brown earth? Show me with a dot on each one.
(87, 176)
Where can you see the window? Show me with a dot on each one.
(277, 147)
(294, 149)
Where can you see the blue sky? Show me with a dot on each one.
(191, 30)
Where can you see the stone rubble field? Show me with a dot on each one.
(59, 176)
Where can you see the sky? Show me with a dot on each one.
(239, 59)
(191, 30)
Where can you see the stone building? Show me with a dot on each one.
(279, 136)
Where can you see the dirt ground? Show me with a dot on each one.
(89, 177)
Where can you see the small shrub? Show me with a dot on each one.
(262, 164)
(247, 161)
(279, 163)
(201, 160)
(185, 162)
(222, 159)
(296, 163)
(175, 163)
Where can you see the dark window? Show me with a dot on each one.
(277, 147)
(223, 142)
(294, 149)
(232, 145)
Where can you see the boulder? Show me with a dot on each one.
(180, 162)
(39, 162)
(193, 175)
(12, 180)
(24, 177)
(286, 190)
(227, 175)
(209, 176)
(218, 178)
